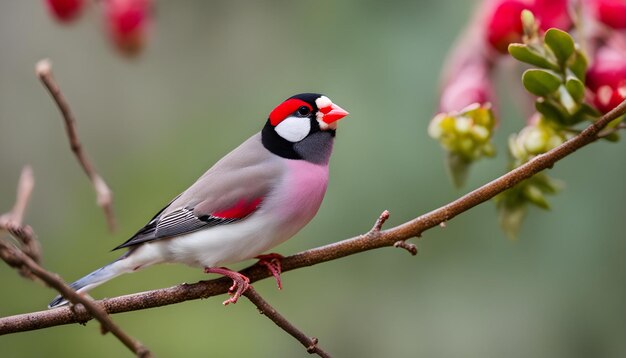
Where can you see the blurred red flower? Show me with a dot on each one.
(127, 23)
(504, 25)
(606, 78)
(611, 12)
(65, 10)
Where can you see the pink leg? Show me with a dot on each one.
(240, 282)
(272, 262)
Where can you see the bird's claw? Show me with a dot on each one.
(239, 286)
(273, 263)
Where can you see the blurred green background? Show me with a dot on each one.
(211, 73)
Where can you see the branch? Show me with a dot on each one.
(27, 259)
(310, 343)
(12, 221)
(16, 258)
(372, 240)
(104, 196)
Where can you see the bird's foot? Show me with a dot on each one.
(240, 282)
(272, 262)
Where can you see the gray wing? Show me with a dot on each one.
(228, 192)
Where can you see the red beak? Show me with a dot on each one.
(333, 113)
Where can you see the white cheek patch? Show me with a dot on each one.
(294, 129)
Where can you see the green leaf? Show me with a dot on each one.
(612, 137)
(541, 82)
(524, 53)
(551, 110)
(561, 44)
(458, 168)
(578, 65)
(575, 88)
(584, 113)
(535, 196)
(511, 218)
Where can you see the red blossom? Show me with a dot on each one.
(552, 13)
(127, 23)
(504, 24)
(611, 12)
(606, 78)
(65, 10)
(470, 85)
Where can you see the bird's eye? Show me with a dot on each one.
(304, 111)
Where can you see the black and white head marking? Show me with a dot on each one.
(293, 122)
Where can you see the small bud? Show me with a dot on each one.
(65, 10)
(536, 138)
(606, 78)
(465, 135)
(127, 23)
(529, 24)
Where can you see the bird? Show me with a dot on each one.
(254, 198)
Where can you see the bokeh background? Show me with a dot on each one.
(209, 76)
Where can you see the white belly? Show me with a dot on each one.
(225, 244)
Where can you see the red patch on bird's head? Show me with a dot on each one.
(285, 109)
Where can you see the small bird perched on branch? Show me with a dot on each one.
(256, 197)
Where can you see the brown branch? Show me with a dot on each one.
(14, 257)
(24, 191)
(370, 241)
(26, 259)
(12, 221)
(104, 196)
(310, 343)
(411, 248)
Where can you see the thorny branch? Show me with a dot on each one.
(373, 240)
(310, 343)
(27, 260)
(104, 196)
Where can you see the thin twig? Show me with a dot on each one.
(27, 260)
(386, 238)
(608, 131)
(378, 225)
(310, 343)
(24, 191)
(411, 248)
(104, 196)
(12, 221)
(15, 257)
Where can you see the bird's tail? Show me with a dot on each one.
(96, 278)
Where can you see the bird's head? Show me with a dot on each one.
(303, 127)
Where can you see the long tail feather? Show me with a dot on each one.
(94, 279)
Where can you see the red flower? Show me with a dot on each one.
(470, 85)
(606, 79)
(611, 12)
(552, 13)
(127, 22)
(65, 10)
(504, 23)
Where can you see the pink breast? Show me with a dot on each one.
(306, 186)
